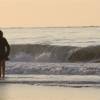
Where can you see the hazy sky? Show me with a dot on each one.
(49, 12)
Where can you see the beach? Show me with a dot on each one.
(50, 87)
(32, 92)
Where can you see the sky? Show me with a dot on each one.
(49, 13)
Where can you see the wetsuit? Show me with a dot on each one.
(4, 53)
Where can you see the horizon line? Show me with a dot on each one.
(49, 26)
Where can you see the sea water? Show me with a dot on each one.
(68, 36)
(47, 51)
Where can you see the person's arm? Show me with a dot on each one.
(7, 48)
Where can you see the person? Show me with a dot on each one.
(4, 53)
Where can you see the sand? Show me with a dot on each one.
(32, 92)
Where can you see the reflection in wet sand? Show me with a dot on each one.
(3, 91)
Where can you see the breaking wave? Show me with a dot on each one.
(53, 53)
(53, 68)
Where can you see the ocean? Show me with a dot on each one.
(66, 36)
(54, 53)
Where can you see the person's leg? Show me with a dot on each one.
(3, 68)
(0, 69)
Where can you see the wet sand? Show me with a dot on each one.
(32, 92)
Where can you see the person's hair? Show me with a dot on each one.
(1, 33)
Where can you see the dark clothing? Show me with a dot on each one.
(4, 48)
(4, 53)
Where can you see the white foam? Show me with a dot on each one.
(53, 68)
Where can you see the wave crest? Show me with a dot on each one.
(53, 53)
